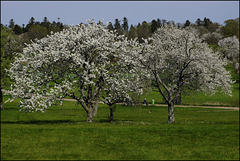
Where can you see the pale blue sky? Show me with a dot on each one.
(74, 12)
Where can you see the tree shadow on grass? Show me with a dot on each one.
(44, 122)
(119, 121)
(9, 108)
(102, 120)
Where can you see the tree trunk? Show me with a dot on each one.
(111, 113)
(171, 118)
(178, 98)
(95, 108)
(90, 115)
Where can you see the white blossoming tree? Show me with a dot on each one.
(121, 84)
(176, 60)
(74, 62)
(118, 91)
(230, 50)
(212, 38)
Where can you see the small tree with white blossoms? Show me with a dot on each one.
(230, 50)
(118, 88)
(176, 60)
(74, 62)
(117, 91)
(212, 38)
(124, 78)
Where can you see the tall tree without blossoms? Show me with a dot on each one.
(132, 34)
(117, 27)
(11, 23)
(154, 26)
(125, 25)
(74, 62)
(231, 28)
(177, 60)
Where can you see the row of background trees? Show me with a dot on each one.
(35, 29)
(145, 29)
(14, 37)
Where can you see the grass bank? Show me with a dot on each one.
(137, 133)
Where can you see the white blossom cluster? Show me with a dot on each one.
(118, 88)
(230, 49)
(212, 37)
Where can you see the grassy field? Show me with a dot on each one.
(137, 133)
(219, 99)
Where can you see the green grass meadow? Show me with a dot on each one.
(219, 99)
(138, 133)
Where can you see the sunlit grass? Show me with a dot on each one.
(137, 133)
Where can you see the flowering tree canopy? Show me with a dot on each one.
(176, 59)
(230, 50)
(122, 83)
(75, 62)
(212, 37)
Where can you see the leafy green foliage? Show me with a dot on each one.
(38, 32)
(143, 31)
(132, 34)
(231, 28)
(17, 29)
(10, 44)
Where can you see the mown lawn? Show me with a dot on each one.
(137, 133)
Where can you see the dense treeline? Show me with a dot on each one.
(205, 26)
(35, 29)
